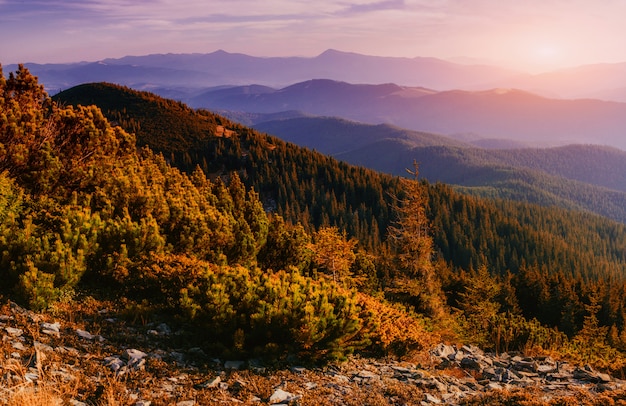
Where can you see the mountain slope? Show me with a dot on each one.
(338, 137)
(584, 177)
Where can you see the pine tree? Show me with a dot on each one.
(410, 235)
(333, 252)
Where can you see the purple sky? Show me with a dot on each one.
(534, 35)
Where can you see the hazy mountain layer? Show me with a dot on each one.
(498, 113)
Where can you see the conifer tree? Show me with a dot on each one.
(333, 252)
(410, 235)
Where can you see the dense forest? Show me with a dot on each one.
(582, 177)
(279, 250)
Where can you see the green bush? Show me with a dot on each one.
(276, 314)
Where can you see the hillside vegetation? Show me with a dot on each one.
(583, 177)
(266, 249)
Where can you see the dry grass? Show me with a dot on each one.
(535, 397)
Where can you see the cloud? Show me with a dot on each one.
(373, 7)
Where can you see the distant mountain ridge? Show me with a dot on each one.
(509, 114)
(193, 72)
(184, 75)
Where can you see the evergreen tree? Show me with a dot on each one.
(333, 252)
(410, 235)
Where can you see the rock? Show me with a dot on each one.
(133, 354)
(74, 402)
(234, 365)
(84, 334)
(16, 345)
(42, 347)
(443, 351)
(367, 376)
(31, 376)
(196, 353)
(431, 399)
(470, 363)
(52, 329)
(213, 383)
(494, 386)
(186, 403)
(14, 332)
(143, 403)
(114, 363)
(164, 329)
(525, 365)
(298, 370)
(589, 375)
(545, 369)
(281, 396)
(178, 357)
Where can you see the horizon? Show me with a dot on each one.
(534, 37)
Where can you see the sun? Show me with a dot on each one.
(547, 52)
(545, 56)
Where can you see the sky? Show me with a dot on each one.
(531, 35)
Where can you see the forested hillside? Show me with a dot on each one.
(315, 190)
(583, 177)
(247, 241)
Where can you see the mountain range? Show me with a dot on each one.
(582, 177)
(182, 75)
(497, 113)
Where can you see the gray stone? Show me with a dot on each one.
(16, 345)
(31, 376)
(177, 357)
(470, 363)
(525, 365)
(367, 375)
(14, 332)
(164, 329)
(546, 369)
(133, 354)
(494, 386)
(234, 365)
(431, 399)
(51, 329)
(114, 363)
(42, 347)
(298, 370)
(281, 396)
(213, 383)
(443, 351)
(84, 334)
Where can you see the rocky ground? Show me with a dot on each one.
(103, 360)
